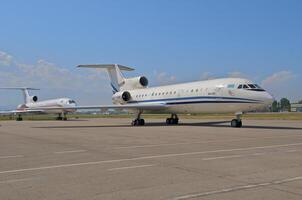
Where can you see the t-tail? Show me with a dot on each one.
(26, 96)
(118, 81)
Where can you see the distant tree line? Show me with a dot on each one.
(281, 106)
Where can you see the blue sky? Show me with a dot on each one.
(168, 41)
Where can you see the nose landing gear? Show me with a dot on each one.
(237, 123)
(19, 118)
(62, 117)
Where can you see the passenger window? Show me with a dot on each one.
(192, 90)
(196, 90)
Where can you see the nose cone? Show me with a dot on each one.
(268, 99)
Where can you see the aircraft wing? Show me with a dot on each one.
(126, 106)
(132, 106)
(11, 112)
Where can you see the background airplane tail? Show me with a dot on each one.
(26, 96)
(115, 74)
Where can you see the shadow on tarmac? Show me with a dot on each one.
(216, 124)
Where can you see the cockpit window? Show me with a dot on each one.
(71, 101)
(252, 86)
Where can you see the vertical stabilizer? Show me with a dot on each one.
(115, 74)
(26, 96)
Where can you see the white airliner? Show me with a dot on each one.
(60, 106)
(235, 95)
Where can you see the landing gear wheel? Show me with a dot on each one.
(236, 123)
(59, 118)
(172, 120)
(141, 122)
(19, 118)
(65, 118)
(138, 122)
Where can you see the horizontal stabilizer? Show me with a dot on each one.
(19, 88)
(107, 66)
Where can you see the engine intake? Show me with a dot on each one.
(34, 98)
(143, 81)
(135, 83)
(126, 96)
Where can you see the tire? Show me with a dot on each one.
(234, 123)
(168, 121)
(134, 123)
(141, 122)
(239, 124)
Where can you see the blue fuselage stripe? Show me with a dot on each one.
(203, 98)
(198, 102)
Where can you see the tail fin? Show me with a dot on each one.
(26, 96)
(114, 71)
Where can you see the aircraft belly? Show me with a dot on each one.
(214, 107)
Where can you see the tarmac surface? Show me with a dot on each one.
(108, 159)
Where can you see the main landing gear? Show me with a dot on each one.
(172, 120)
(62, 117)
(237, 123)
(19, 118)
(138, 120)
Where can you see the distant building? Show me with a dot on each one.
(296, 107)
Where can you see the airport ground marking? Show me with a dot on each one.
(189, 143)
(129, 167)
(223, 157)
(71, 151)
(16, 180)
(238, 188)
(15, 156)
(144, 158)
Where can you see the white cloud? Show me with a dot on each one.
(283, 84)
(87, 86)
(5, 58)
(278, 78)
(237, 74)
(164, 78)
(206, 76)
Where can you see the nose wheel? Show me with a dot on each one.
(19, 118)
(237, 123)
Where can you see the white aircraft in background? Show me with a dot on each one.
(60, 106)
(235, 95)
